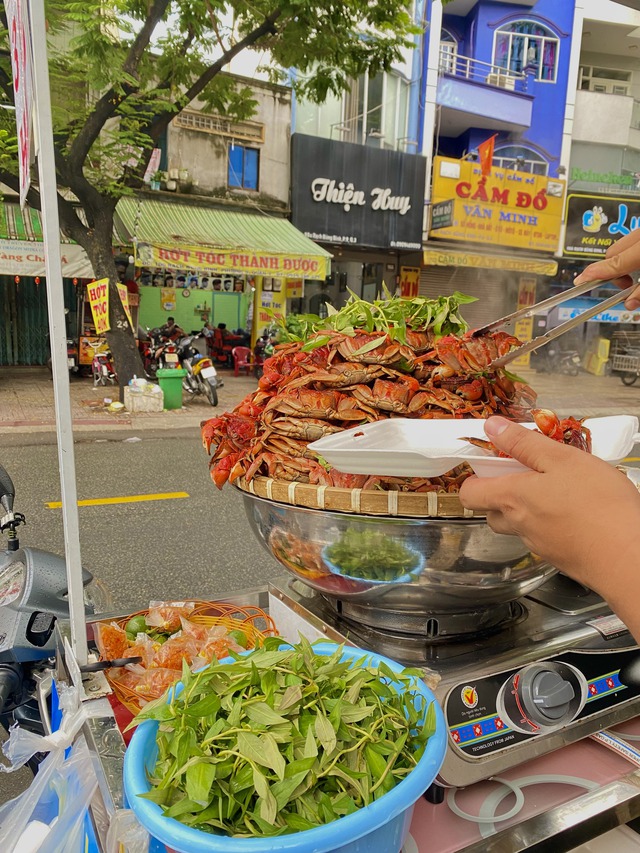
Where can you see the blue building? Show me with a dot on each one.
(504, 68)
(500, 70)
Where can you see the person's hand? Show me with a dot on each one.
(621, 262)
(576, 511)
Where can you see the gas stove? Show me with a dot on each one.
(549, 669)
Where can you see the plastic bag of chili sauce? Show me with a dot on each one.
(154, 682)
(171, 654)
(111, 640)
(165, 615)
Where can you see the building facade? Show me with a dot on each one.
(497, 73)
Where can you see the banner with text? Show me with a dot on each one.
(595, 222)
(240, 262)
(98, 293)
(23, 257)
(409, 281)
(506, 208)
(124, 298)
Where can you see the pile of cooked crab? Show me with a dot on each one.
(333, 379)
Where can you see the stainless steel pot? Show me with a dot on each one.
(406, 565)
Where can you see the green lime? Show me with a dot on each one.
(240, 637)
(136, 625)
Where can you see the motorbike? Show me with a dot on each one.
(550, 359)
(73, 362)
(148, 349)
(164, 351)
(102, 367)
(33, 595)
(202, 377)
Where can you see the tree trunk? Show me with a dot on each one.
(98, 244)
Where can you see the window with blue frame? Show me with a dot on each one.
(244, 167)
(527, 44)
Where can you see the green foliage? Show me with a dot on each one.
(123, 99)
(284, 739)
(393, 315)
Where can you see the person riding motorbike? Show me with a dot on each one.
(171, 330)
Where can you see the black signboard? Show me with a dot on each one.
(442, 215)
(595, 222)
(356, 195)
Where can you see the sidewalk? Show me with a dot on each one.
(27, 405)
(26, 402)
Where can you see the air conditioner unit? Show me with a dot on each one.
(504, 81)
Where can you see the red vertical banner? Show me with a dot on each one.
(409, 281)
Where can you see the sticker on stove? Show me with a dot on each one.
(609, 627)
(469, 696)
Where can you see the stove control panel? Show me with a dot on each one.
(500, 710)
(541, 697)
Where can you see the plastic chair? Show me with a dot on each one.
(242, 360)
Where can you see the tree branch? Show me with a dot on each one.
(267, 27)
(107, 105)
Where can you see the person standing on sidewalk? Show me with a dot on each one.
(576, 511)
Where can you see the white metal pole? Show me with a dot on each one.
(57, 326)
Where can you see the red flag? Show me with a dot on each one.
(485, 152)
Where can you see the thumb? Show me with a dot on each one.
(534, 450)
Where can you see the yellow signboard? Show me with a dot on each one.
(506, 208)
(451, 258)
(239, 261)
(98, 293)
(124, 298)
(523, 329)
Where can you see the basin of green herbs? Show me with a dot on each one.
(379, 827)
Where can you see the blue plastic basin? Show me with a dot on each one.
(378, 828)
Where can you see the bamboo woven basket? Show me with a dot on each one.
(254, 622)
(358, 501)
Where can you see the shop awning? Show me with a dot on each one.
(445, 257)
(193, 237)
(573, 307)
(22, 246)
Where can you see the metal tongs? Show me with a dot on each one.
(545, 305)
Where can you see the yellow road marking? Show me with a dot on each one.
(632, 459)
(124, 499)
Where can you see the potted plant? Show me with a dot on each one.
(156, 180)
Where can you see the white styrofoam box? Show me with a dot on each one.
(135, 401)
(402, 447)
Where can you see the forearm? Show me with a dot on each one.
(619, 585)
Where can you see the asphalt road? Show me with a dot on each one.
(198, 546)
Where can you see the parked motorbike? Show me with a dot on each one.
(33, 594)
(102, 366)
(73, 362)
(148, 347)
(165, 351)
(202, 377)
(550, 359)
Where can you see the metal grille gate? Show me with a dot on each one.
(24, 322)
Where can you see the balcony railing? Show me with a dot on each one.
(480, 72)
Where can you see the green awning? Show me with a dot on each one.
(22, 224)
(193, 237)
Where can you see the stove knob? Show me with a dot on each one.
(542, 697)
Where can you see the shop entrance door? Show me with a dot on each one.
(23, 321)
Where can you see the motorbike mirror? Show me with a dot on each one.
(7, 490)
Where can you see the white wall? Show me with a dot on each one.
(602, 118)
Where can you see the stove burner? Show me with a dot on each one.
(430, 628)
